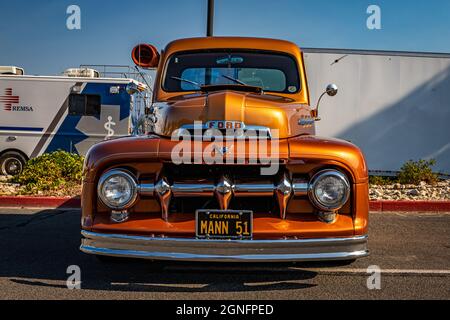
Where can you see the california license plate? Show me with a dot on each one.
(224, 224)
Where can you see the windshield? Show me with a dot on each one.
(269, 71)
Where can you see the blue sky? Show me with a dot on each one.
(33, 34)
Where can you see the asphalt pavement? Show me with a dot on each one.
(37, 247)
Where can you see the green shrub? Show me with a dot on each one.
(51, 171)
(381, 181)
(413, 172)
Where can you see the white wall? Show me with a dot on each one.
(394, 107)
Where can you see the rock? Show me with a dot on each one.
(397, 193)
(413, 193)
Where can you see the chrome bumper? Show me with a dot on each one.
(185, 249)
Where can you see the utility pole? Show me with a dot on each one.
(210, 23)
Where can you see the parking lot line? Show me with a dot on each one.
(383, 271)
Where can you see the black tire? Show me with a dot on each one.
(12, 163)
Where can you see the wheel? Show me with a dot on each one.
(12, 163)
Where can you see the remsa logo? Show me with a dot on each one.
(10, 102)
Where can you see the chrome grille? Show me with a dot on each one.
(222, 186)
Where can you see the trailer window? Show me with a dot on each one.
(84, 105)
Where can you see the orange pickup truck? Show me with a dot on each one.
(231, 169)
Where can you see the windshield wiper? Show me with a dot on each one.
(188, 81)
(234, 80)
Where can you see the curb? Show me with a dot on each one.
(40, 202)
(409, 206)
(75, 203)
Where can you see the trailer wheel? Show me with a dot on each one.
(12, 163)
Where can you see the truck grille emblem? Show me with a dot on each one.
(223, 150)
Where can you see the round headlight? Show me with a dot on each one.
(117, 189)
(329, 190)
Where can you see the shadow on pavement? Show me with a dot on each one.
(37, 249)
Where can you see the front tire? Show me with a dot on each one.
(12, 163)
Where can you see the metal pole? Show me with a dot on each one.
(210, 26)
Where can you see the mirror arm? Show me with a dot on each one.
(331, 90)
(315, 112)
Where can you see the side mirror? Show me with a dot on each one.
(331, 90)
(145, 55)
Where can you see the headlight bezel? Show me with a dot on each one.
(133, 186)
(313, 184)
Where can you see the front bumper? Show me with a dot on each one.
(188, 249)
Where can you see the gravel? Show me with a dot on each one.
(423, 191)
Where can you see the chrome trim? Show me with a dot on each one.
(326, 216)
(283, 193)
(240, 189)
(180, 189)
(254, 189)
(190, 249)
(119, 216)
(237, 133)
(224, 192)
(146, 189)
(225, 189)
(164, 193)
(329, 172)
(300, 187)
(129, 177)
(306, 121)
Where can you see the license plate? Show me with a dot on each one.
(224, 224)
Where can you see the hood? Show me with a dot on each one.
(233, 109)
(153, 151)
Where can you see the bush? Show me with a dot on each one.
(380, 180)
(413, 172)
(51, 171)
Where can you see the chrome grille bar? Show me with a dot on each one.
(224, 190)
(254, 189)
(192, 189)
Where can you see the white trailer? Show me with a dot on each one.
(394, 105)
(41, 114)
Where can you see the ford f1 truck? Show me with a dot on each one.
(231, 169)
